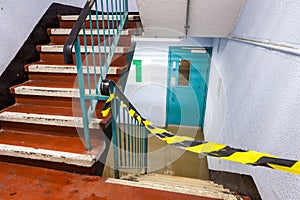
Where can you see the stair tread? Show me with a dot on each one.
(74, 17)
(43, 115)
(66, 31)
(49, 148)
(57, 48)
(35, 109)
(41, 141)
(69, 69)
(51, 84)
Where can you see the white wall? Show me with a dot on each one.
(18, 20)
(254, 93)
(149, 96)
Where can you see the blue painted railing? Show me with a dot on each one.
(129, 136)
(98, 17)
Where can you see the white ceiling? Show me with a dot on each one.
(208, 18)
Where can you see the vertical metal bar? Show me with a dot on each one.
(128, 138)
(146, 150)
(122, 11)
(134, 142)
(86, 59)
(108, 28)
(119, 132)
(126, 14)
(85, 120)
(112, 15)
(115, 139)
(141, 147)
(124, 136)
(99, 42)
(117, 17)
(104, 34)
(132, 139)
(187, 18)
(93, 51)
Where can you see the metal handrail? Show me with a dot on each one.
(68, 46)
(129, 136)
(99, 56)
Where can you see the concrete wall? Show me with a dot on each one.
(149, 96)
(253, 100)
(18, 20)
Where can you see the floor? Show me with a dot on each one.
(27, 182)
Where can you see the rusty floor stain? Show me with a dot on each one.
(28, 182)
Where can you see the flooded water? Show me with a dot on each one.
(165, 159)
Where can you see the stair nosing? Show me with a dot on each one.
(74, 17)
(59, 49)
(45, 119)
(84, 160)
(69, 69)
(50, 91)
(66, 31)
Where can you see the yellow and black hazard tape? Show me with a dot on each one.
(221, 151)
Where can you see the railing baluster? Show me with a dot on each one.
(128, 137)
(86, 60)
(104, 33)
(124, 136)
(85, 120)
(93, 51)
(99, 44)
(115, 138)
(119, 133)
(108, 28)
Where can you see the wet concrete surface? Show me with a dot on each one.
(27, 182)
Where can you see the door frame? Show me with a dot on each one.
(209, 51)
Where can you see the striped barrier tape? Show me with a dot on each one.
(221, 151)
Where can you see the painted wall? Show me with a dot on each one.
(253, 100)
(149, 95)
(18, 20)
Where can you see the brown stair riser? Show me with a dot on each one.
(50, 130)
(58, 59)
(124, 41)
(48, 102)
(53, 165)
(59, 77)
(70, 23)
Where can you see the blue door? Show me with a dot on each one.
(187, 88)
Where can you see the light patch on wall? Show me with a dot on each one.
(219, 87)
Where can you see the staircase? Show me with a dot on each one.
(43, 128)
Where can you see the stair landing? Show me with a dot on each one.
(27, 182)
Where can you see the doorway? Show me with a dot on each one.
(187, 85)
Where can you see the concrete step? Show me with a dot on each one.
(57, 58)
(26, 182)
(67, 31)
(67, 21)
(59, 36)
(68, 73)
(70, 69)
(88, 49)
(49, 93)
(50, 116)
(93, 17)
(177, 184)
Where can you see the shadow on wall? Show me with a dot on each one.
(14, 73)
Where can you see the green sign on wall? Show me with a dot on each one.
(138, 70)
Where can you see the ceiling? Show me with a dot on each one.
(207, 18)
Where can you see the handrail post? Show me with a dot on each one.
(126, 13)
(85, 120)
